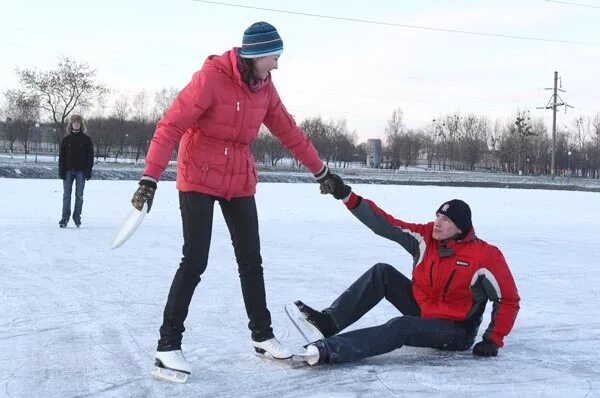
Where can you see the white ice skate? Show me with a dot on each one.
(271, 349)
(311, 356)
(306, 329)
(171, 366)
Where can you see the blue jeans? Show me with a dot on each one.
(79, 177)
(384, 281)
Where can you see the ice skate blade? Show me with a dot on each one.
(295, 361)
(170, 375)
(303, 326)
(262, 352)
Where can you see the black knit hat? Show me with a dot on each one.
(260, 40)
(460, 214)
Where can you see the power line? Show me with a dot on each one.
(573, 4)
(306, 14)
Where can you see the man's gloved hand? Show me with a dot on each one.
(485, 348)
(332, 184)
(144, 194)
(337, 188)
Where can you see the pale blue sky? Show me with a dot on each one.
(332, 68)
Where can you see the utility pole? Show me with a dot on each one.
(554, 103)
(553, 106)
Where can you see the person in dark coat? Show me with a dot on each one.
(75, 163)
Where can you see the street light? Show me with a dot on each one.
(55, 137)
(37, 138)
(569, 163)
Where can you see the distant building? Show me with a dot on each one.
(374, 153)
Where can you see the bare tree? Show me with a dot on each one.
(162, 101)
(517, 142)
(22, 111)
(410, 144)
(139, 106)
(141, 127)
(104, 135)
(539, 158)
(360, 151)
(524, 132)
(321, 135)
(445, 132)
(393, 133)
(343, 143)
(473, 139)
(121, 114)
(259, 146)
(429, 145)
(272, 147)
(140, 133)
(594, 150)
(61, 90)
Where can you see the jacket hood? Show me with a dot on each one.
(228, 64)
(69, 127)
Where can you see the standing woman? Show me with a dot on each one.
(214, 119)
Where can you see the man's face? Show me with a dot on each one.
(444, 228)
(76, 125)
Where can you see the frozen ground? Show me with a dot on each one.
(19, 167)
(79, 320)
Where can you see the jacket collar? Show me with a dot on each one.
(228, 63)
(446, 248)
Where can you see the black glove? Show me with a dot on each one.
(88, 176)
(485, 348)
(61, 176)
(144, 194)
(337, 188)
(332, 184)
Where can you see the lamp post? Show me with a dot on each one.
(569, 164)
(36, 139)
(55, 136)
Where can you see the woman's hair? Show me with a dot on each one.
(248, 71)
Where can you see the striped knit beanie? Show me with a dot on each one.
(260, 40)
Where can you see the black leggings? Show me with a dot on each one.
(197, 219)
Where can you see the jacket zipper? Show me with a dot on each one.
(448, 285)
(431, 274)
(226, 150)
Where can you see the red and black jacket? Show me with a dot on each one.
(452, 279)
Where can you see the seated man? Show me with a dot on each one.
(454, 275)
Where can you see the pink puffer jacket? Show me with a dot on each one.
(216, 117)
